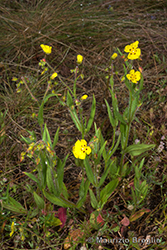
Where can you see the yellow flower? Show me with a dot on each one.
(14, 79)
(84, 97)
(114, 56)
(12, 229)
(133, 50)
(47, 49)
(53, 76)
(134, 76)
(79, 59)
(80, 150)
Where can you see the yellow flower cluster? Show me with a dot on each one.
(38, 146)
(80, 150)
(133, 50)
(134, 76)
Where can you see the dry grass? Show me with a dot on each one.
(93, 30)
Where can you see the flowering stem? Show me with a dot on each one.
(33, 97)
(113, 140)
(66, 85)
(48, 87)
(75, 81)
(96, 180)
(127, 134)
(82, 125)
(50, 66)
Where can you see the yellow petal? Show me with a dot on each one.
(135, 44)
(127, 47)
(88, 150)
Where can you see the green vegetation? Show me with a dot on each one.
(83, 125)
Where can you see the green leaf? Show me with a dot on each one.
(44, 135)
(120, 118)
(137, 172)
(102, 179)
(112, 121)
(31, 176)
(114, 104)
(50, 183)
(101, 152)
(138, 214)
(107, 191)
(75, 118)
(93, 200)
(58, 201)
(141, 84)
(83, 190)
(110, 153)
(40, 114)
(141, 164)
(89, 171)
(53, 221)
(101, 140)
(14, 209)
(26, 139)
(14, 206)
(56, 137)
(134, 107)
(92, 114)
(72, 111)
(123, 134)
(48, 136)
(137, 149)
(112, 82)
(65, 191)
(69, 100)
(42, 173)
(39, 201)
(60, 174)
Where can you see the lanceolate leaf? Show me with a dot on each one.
(58, 200)
(102, 179)
(40, 113)
(39, 201)
(56, 137)
(93, 200)
(112, 121)
(138, 214)
(107, 191)
(137, 149)
(92, 114)
(31, 176)
(14, 206)
(89, 171)
(83, 192)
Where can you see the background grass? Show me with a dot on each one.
(93, 29)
